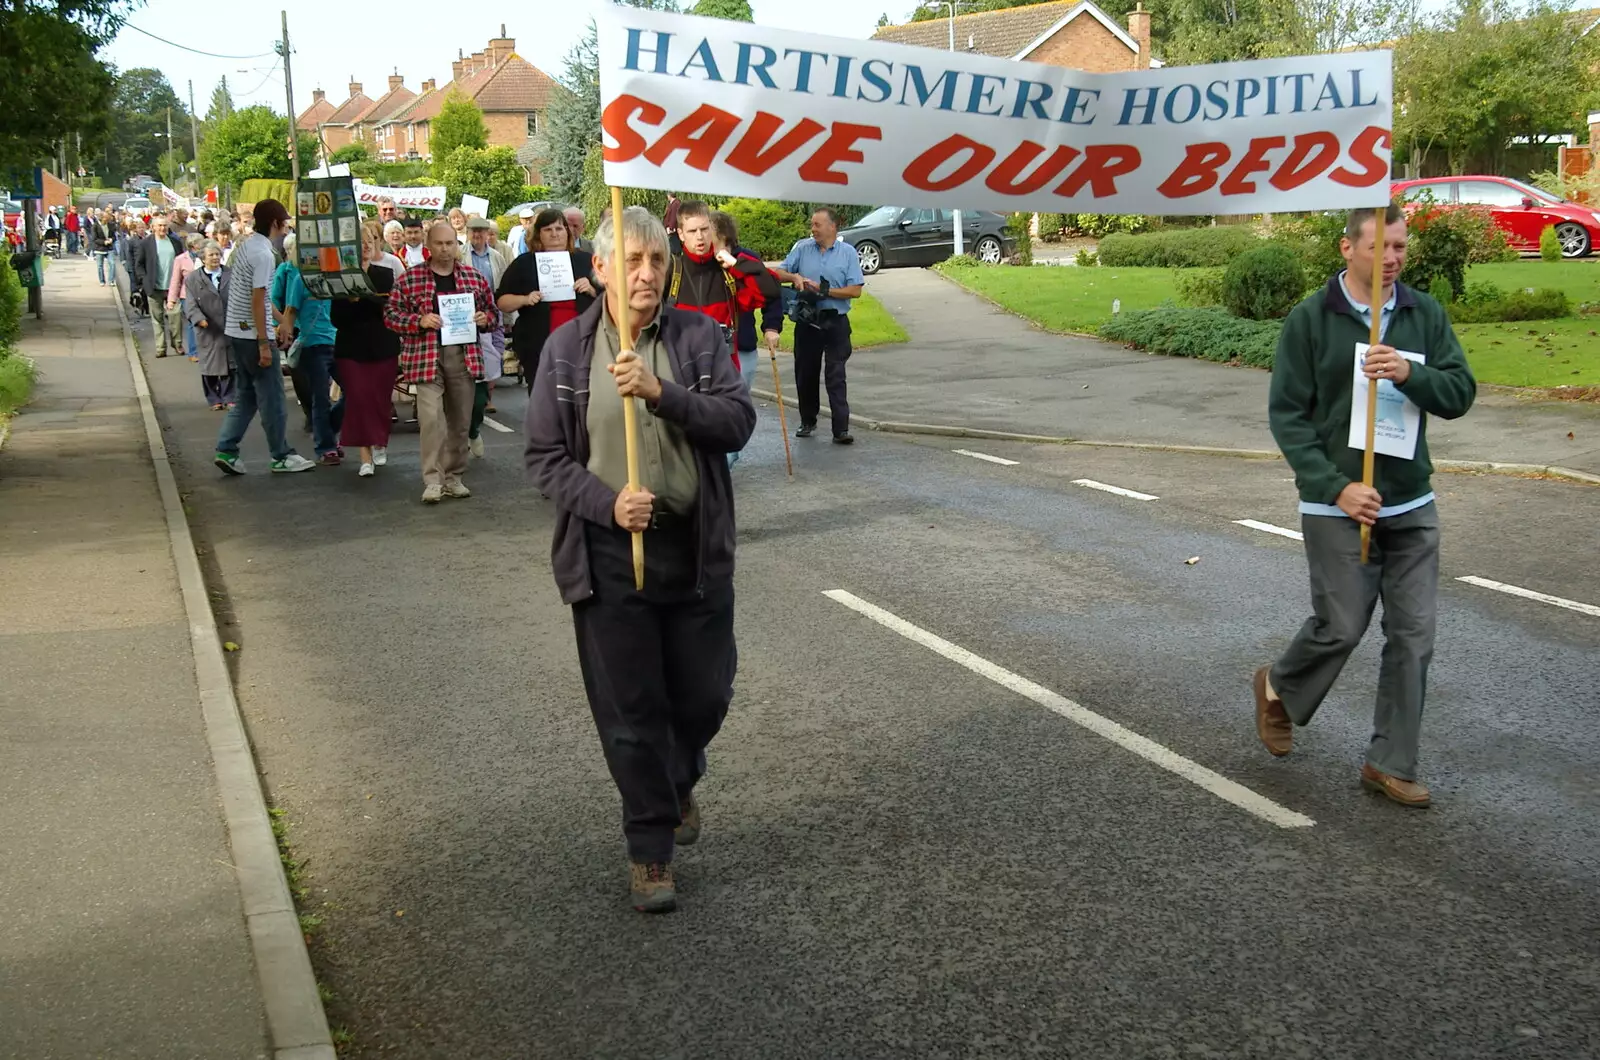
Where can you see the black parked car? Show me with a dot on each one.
(902, 235)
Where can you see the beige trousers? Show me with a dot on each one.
(444, 414)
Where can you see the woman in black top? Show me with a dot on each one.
(519, 292)
(368, 358)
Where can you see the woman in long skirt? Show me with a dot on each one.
(368, 358)
(205, 304)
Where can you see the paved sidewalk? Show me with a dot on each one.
(970, 364)
(123, 932)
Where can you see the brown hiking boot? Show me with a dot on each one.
(1272, 721)
(689, 831)
(1405, 792)
(652, 887)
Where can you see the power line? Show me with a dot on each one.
(197, 51)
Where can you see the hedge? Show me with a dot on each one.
(1543, 304)
(1179, 248)
(1207, 334)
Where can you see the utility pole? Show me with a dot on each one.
(288, 88)
(194, 137)
(961, 243)
(172, 154)
(226, 192)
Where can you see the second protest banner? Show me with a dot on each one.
(705, 104)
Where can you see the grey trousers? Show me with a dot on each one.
(444, 414)
(165, 324)
(1404, 574)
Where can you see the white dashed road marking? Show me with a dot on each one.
(1118, 490)
(1217, 784)
(1529, 594)
(490, 421)
(1268, 528)
(985, 456)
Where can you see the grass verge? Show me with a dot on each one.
(870, 325)
(17, 375)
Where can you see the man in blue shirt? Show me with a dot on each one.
(823, 266)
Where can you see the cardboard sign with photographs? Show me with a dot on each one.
(328, 238)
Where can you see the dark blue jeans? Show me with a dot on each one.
(258, 388)
(326, 414)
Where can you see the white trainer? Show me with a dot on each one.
(433, 495)
(367, 470)
(380, 455)
(476, 445)
(456, 489)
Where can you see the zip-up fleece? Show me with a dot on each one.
(705, 398)
(1309, 407)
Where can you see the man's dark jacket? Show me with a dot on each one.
(147, 271)
(705, 398)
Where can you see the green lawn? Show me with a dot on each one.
(870, 325)
(1535, 353)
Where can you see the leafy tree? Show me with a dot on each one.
(137, 142)
(572, 120)
(732, 10)
(59, 88)
(491, 173)
(596, 195)
(883, 20)
(355, 151)
(458, 124)
(1476, 78)
(221, 102)
(251, 143)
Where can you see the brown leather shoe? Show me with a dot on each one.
(1405, 792)
(1272, 721)
(652, 887)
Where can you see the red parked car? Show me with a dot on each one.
(1519, 210)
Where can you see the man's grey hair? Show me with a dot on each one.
(639, 225)
(573, 211)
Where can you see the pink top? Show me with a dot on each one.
(182, 265)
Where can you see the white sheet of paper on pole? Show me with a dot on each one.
(472, 204)
(456, 312)
(1399, 419)
(555, 275)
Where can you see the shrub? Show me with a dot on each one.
(1017, 225)
(1199, 287)
(766, 227)
(1263, 283)
(1478, 294)
(1052, 226)
(16, 381)
(1208, 334)
(13, 301)
(1549, 245)
(1100, 225)
(1544, 304)
(351, 152)
(1086, 257)
(1314, 237)
(1439, 287)
(1178, 248)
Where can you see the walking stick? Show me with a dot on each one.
(777, 389)
(630, 412)
(1374, 336)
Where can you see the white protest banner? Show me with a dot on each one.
(555, 275)
(711, 105)
(471, 204)
(421, 198)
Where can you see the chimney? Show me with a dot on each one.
(427, 86)
(395, 81)
(456, 67)
(501, 47)
(355, 88)
(1139, 30)
(317, 95)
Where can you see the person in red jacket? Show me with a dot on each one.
(714, 281)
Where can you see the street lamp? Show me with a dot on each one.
(951, 5)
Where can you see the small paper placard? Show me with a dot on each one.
(1399, 419)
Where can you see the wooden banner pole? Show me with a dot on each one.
(1374, 336)
(783, 420)
(630, 411)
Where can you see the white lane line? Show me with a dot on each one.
(1268, 528)
(1529, 594)
(1118, 490)
(496, 424)
(1002, 461)
(1217, 784)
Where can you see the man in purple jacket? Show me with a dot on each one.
(658, 664)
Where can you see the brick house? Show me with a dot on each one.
(511, 92)
(1072, 33)
(339, 128)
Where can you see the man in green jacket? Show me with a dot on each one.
(1310, 411)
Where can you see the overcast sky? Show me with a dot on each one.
(369, 41)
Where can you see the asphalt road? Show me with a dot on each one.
(902, 858)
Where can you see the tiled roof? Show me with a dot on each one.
(1003, 33)
(409, 111)
(516, 85)
(392, 101)
(314, 115)
(349, 110)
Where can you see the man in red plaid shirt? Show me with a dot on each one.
(446, 376)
